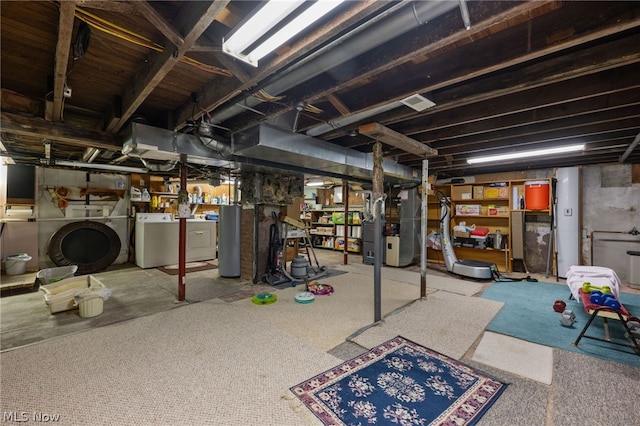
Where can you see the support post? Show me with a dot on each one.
(182, 238)
(378, 243)
(423, 228)
(345, 200)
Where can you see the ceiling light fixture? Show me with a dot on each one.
(253, 40)
(525, 154)
(4, 160)
(314, 183)
(110, 167)
(90, 154)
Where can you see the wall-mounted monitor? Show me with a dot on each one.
(21, 184)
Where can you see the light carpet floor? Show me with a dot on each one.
(445, 322)
(438, 282)
(329, 320)
(516, 356)
(207, 363)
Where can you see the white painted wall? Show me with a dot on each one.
(610, 202)
(51, 218)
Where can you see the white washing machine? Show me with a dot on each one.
(157, 240)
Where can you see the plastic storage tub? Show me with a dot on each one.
(52, 275)
(16, 264)
(60, 296)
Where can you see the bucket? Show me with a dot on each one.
(536, 195)
(91, 307)
(16, 264)
(299, 267)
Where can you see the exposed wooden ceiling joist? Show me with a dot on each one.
(194, 21)
(398, 140)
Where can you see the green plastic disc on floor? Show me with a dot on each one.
(264, 298)
(304, 297)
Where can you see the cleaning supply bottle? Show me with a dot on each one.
(136, 195)
(154, 202)
(145, 195)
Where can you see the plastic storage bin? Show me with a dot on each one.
(52, 275)
(16, 264)
(60, 296)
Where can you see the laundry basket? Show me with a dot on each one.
(52, 275)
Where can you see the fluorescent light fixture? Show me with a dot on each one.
(90, 154)
(314, 183)
(265, 19)
(6, 160)
(110, 167)
(525, 154)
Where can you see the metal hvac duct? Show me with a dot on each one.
(266, 141)
(263, 147)
(406, 19)
(154, 143)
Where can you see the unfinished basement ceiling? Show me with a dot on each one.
(525, 75)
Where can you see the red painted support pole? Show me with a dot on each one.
(182, 238)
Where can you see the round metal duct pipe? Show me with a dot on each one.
(403, 21)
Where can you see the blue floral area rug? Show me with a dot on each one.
(399, 383)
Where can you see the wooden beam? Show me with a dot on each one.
(453, 81)
(212, 98)
(338, 104)
(390, 137)
(63, 48)
(202, 46)
(111, 6)
(151, 15)
(193, 21)
(56, 132)
(114, 113)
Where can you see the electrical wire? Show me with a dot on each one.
(125, 34)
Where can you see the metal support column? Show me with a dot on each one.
(182, 238)
(378, 247)
(423, 228)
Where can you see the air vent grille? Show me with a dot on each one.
(417, 102)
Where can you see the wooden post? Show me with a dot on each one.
(378, 244)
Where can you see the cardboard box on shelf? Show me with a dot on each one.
(468, 209)
(478, 192)
(499, 211)
(496, 192)
(461, 192)
(461, 234)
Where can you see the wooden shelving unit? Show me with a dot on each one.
(485, 204)
(329, 235)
